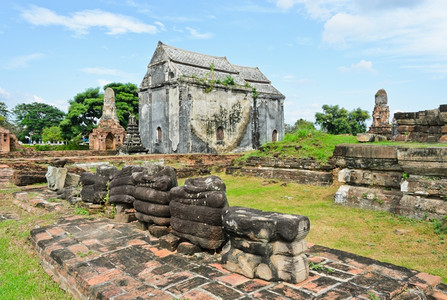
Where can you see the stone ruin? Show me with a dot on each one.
(132, 142)
(381, 128)
(196, 210)
(260, 244)
(109, 135)
(381, 115)
(266, 245)
(151, 194)
(8, 141)
(428, 126)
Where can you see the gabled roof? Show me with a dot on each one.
(189, 63)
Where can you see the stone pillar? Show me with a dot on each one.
(381, 115)
(266, 245)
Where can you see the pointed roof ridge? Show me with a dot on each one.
(197, 59)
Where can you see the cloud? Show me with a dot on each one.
(393, 27)
(101, 71)
(361, 66)
(103, 82)
(196, 35)
(82, 21)
(4, 94)
(20, 62)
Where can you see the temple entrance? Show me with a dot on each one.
(110, 141)
(275, 136)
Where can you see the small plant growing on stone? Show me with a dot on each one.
(405, 176)
(81, 211)
(320, 268)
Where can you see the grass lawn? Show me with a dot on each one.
(21, 275)
(378, 235)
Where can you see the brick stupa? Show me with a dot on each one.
(381, 116)
(109, 135)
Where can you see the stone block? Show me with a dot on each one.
(425, 186)
(157, 230)
(56, 177)
(421, 208)
(188, 248)
(365, 137)
(169, 242)
(370, 178)
(368, 198)
(258, 225)
(266, 245)
(72, 180)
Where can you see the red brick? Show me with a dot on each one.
(107, 276)
(136, 242)
(233, 279)
(219, 267)
(425, 280)
(198, 295)
(78, 249)
(252, 285)
(127, 283)
(42, 236)
(56, 231)
(439, 296)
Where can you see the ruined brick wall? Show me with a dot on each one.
(404, 181)
(428, 126)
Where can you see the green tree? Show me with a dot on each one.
(52, 134)
(356, 119)
(33, 118)
(299, 124)
(336, 120)
(86, 109)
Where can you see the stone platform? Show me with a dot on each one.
(100, 259)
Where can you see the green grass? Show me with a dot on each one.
(312, 143)
(21, 275)
(304, 143)
(363, 232)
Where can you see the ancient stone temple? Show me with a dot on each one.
(381, 116)
(8, 141)
(132, 141)
(109, 135)
(193, 102)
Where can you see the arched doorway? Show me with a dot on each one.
(219, 133)
(159, 134)
(275, 136)
(110, 141)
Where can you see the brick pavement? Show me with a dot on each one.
(100, 259)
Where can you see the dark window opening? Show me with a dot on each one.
(159, 134)
(219, 133)
(275, 136)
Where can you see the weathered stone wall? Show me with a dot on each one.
(304, 171)
(424, 126)
(196, 114)
(405, 181)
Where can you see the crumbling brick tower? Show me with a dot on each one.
(381, 116)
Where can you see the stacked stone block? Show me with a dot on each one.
(266, 245)
(94, 186)
(406, 181)
(424, 126)
(151, 194)
(196, 211)
(122, 187)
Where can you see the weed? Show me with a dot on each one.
(405, 176)
(320, 268)
(81, 211)
(373, 296)
(440, 226)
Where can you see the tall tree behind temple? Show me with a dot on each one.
(33, 118)
(86, 109)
